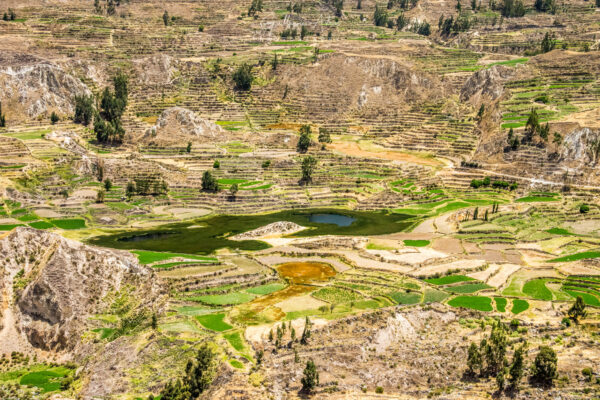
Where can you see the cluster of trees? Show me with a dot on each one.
(533, 127)
(152, 186)
(111, 6)
(287, 33)
(548, 42)
(107, 123)
(2, 117)
(546, 6)
(255, 7)
(450, 25)
(199, 374)
(486, 182)
(489, 359)
(297, 7)
(338, 6)
(512, 8)
(9, 15)
(381, 18)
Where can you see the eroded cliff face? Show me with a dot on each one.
(52, 286)
(33, 87)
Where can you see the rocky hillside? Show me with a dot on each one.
(52, 287)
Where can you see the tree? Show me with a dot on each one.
(2, 117)
(401, 21)
(233, 190)
(84, 109)
(548, 42)
(310, 380)
(209, 183)
(130, 190)
(199, 374)
(359, 5)
(274, 62)
(544, 366)
(303, 32)
(380, 16)
(107, 184)
(166, 18)
(308, 166)
(474, 359)
(481, 111)
(54, 118)
(494, 349)
(243, 77)
(476, 213)
(577, 310)
(305, 332)
(188, 149)
(304, 140)
(100, 196)
(154, 322)
(500, 379)
(517, 367)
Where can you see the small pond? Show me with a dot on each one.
(336, 219)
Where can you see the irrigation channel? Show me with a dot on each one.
(205, 235)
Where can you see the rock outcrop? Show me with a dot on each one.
(487, 82)
(581, 147)
(51, 286)
(178, 123)
(38, 87)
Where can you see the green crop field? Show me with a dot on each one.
(416, 243)
(235, 340)
(149, 257)
(41, 225)
(447, 280)
(480, 303)
(266, 289)
(405, 297)
(518, 306)
(537, 289)
(500, 303)
(67, 224)
(224, 299)
(48, 380)
(577, 256)
(214, 322)
(336, 295)
(468, 288)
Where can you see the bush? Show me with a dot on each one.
(243, 77)
(584, 208)
(379, 390)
